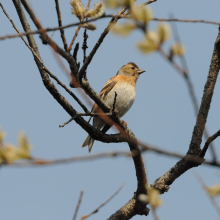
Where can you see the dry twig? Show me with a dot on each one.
(208, 142)
(74, 37)
(78, 204)
(60, 25)
(144, 148)
(104, 16)
(104, 203)
(83, 114)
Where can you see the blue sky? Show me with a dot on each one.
(162, 116)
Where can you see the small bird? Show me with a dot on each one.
(124, 84)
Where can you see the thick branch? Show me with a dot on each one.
(183, 165)
(194, 148)
(190, 85)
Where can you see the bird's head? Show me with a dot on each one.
(130, 69)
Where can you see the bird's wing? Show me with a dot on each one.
(107, 87)
(105, 90)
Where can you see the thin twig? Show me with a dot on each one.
(75, 51)
(84, 47)
(208, 142)
(84, 114)
(74, 37)
(60, 25)
(174, 64)
(78, 204)
(149, 2)
(144, 148)
(190, 85)
(212, 199)
(87, 7)
(154, 212)
(104, 203)
(104, 16)
(13, 24)
(65, 123)
(185, 20)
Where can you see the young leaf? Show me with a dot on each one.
(117, 3)
(77, 8)
(10, 153)
(96, 12)
(177, 49)
(141, 13)
(2, 136)
(164, 32)
(153, 198)
(150, 43)
(214, 190)
(123, 29)
(89, 26)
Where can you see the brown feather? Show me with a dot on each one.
(107, 88)
(133, 64)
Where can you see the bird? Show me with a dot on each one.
(124, 85)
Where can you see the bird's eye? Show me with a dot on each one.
(132, 68)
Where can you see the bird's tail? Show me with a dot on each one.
(89, 141)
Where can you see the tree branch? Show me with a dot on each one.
(162, 183)
(190, 86)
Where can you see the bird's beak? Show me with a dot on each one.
(140, 71)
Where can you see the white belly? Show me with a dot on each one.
(124, 100)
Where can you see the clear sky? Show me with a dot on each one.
(161, 116)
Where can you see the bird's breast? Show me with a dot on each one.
(125, 97)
